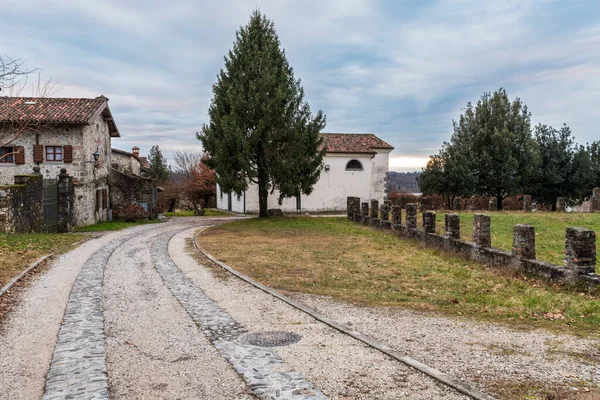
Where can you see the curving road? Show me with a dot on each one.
(133, 314)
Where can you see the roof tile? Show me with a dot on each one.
(49, 110)
(353, 143)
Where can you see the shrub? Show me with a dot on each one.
(130, 213)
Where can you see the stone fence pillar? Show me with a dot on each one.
(595, 200)
(352, 206)
(452, 226)
(524, 242)
(492, 204)
(374, 209)
(384, 210)
(527, 202)
(561, 204)
(396, 215)
(580, 250)
(429, 220)
(364, 209)
(411, 216)
(66, 198)
(482, 230)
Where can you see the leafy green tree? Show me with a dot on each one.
(448, 175)
(556, 149)
(261, 130)
(594, 150)
(582, 176)
(493, 149)
(159, 169)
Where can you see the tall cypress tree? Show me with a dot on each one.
(261, 130)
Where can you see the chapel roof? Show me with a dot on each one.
(353, 143)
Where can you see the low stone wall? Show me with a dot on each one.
(580, 244)
(126, 189)
(21, 206)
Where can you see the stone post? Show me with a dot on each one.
(580, 250)
(411, 216)
(527, 202)
(561, 204)
(396, 215)
(352, 206)
(595, 200)
(374, 209)
(493, 204)
(452, 228)
(429, 221)
(364, 209)
(457, 204)
(384, 210)
(481, 230)
(524, 242)
(65, 201)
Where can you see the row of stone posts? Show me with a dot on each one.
(580, 243)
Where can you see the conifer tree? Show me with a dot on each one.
(261, 130)
(158, 165)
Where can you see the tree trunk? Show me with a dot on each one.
(262, 176)
(499, 199)
(263, 206)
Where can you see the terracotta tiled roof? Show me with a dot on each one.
(75, 111)
(353, 143)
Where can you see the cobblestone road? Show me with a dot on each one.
(135, 316)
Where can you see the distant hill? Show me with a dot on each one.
(404, 182)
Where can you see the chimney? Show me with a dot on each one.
(135, 151)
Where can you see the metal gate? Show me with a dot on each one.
(50, 202)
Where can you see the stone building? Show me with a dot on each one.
(56, 133)
(128, 182)
(354, 165)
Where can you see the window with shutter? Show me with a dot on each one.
(7, 155)
(68, 153)
(19, 155)
(38, 153)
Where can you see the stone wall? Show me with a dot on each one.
(126, 162)
(580, 245)
(21, 206)
(129, 189)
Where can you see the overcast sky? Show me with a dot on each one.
(400, 69)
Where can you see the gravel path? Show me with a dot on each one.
(137, 309)
(154, 349)
(28, 335)
(340, 366)
(472, 351)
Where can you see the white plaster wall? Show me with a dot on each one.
(331, 191)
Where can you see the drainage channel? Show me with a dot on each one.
(267, 375)
(404, 359)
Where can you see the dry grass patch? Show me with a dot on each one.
(334, 257)
(18, 251)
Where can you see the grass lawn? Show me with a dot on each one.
(338, 258)
(114, 225)
(549, 229)
(20, 250)
(209, 212)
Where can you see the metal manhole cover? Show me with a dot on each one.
(271, 339)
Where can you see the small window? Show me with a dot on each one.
(354, 165)
(54, 153)
(5, 155)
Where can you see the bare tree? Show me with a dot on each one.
(14, 80)
(186, 162)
